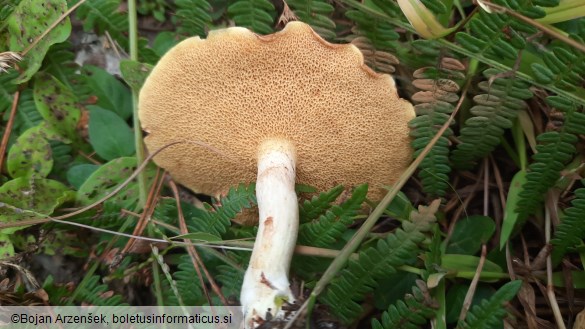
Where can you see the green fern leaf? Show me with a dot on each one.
(571, 231)
(58, 294)
(7, 89)
(236, 200)
(231, 280)
(490, 313)
(195, 218)
(27, 115)
(436, 6)
(330, 226)
(359, 278)
(495, 111)
(438, 85)
(100, 16)
(232, 277)
(213, 220)
(499, 36)
(92, 292)
(555, 150)
(376, 39)
(564, 66)
(60, 63)
(414, 312)
(542, 74)
(62, 158)
(193, 17)
(257, 15)
(187, 283)
(315, 13)
(546, 3)
(324, 226)
(107, 217)
(6, 8)
(312, 209)
(390, 8)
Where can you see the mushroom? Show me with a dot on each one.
(287, 107)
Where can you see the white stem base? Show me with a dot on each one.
(266, 286)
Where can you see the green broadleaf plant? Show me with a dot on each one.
(26, 23)
(30, 155)
(109, 135)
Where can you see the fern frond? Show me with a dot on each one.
(555, 150)
(360, 276)
(330, 226)
(195, 218)
(213, 220)
(109, 216)
(501, 36)
(490, 313)
(315, 13)
(27, 115)
(94, 293)
(7, 89)
(62, 158)
(230, 277)
(571, 231)
(413, 312)
(563, 66)
(145, 53)
(312, 209)
(498, 36)
(376, 39)
(495, 111)
(390, 8)
(236, 200)
(104, 15)
(6, 8)
(193, 17)
(438, 92)
(187, 284)
(257, 15)
(436, 6)
(60, 63)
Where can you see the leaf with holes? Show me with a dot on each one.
(135, 73)
(26, 198)
(58, 106)
(6, 246)
(107, 178)
(27, 22)
(30, 155)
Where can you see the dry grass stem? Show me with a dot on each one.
(9, 125)
(473, 285)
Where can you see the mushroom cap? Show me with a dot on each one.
(235, 89)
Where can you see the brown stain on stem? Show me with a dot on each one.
(268, 225)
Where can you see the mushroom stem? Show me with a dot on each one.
(266, 286)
